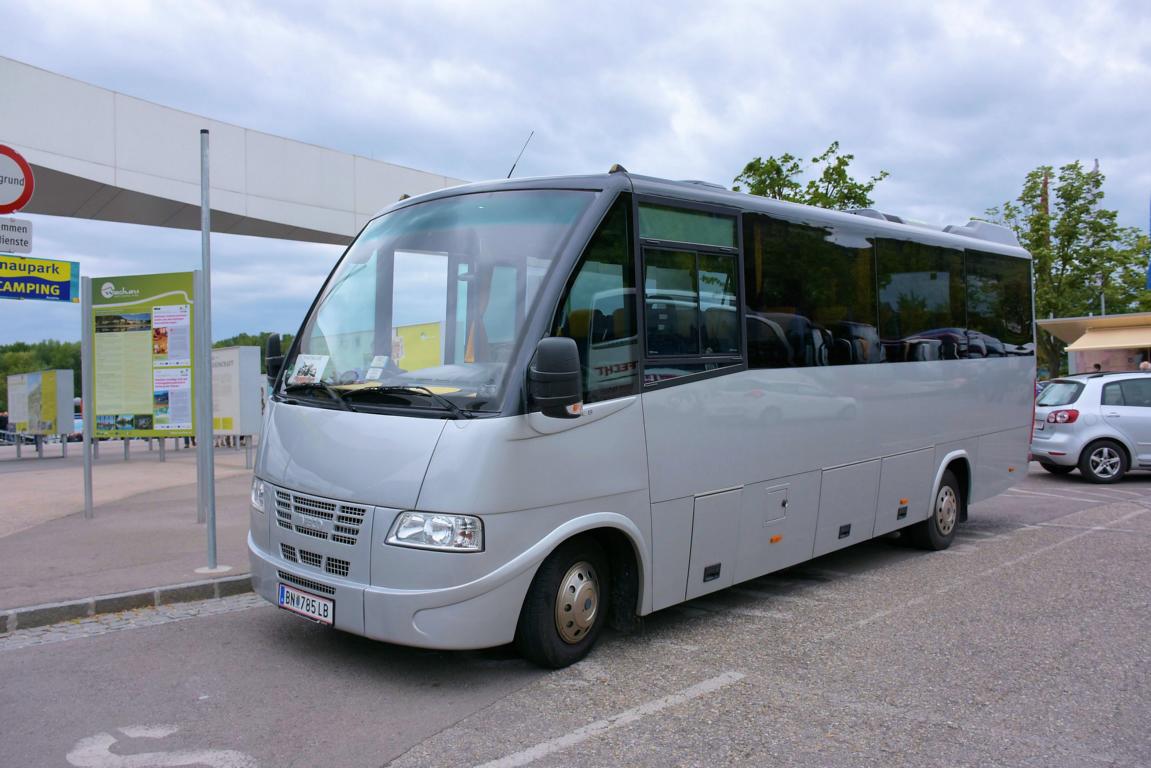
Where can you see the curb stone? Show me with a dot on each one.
(53, 613)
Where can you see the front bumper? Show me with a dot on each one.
(479, 614)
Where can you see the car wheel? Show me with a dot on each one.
(1104, 461)
(1057, 469)
(566, 605)
(938, 530)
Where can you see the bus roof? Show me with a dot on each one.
(867, 221)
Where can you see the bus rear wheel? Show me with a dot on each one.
(938, 530)
(566, 605)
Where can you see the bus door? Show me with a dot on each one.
(691, 322)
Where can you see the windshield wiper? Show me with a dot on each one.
(319, 385)
(447, 404)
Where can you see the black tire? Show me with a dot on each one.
(938, 530)
(1104, 461)
(579, 567)
(1057, 469)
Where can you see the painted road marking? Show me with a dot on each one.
(965, 582)
(1062, 496)
(96, 752)
(623, 719)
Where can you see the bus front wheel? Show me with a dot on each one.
(566, 605)
(938, 530)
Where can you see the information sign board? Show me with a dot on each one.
(40, 403)
(42, 279)
(142, 350)
(237, 388)
(15, 235)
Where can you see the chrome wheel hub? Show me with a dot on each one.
(577, 602)
(946, 510)
(1104, 461)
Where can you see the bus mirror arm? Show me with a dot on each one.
(273, 357)
(555, 385)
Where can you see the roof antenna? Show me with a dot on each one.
(521, 154)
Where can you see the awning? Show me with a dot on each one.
(1112, 338)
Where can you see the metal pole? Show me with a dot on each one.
(206, 455)
(248, 453)
(162, 443)
(88, 402)
(39, 446)
(125, 441)
(64, 446)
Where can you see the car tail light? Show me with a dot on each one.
(1066, 416)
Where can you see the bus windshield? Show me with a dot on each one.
(432, 299)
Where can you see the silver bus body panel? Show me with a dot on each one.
(724, 453)
(368, 458)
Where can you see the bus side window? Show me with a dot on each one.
(810, 295)
(599, 310)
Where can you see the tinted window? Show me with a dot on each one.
(1112, 395)
(1060, 393)
(690, 301)
(657, 222)
(671, 300)
(599, 310)
(810, 295)
(922, 306)
(1136, 392)
(999, 304)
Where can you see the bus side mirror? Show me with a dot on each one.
(273, 357)
(554, 381)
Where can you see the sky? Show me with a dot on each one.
(956, 100)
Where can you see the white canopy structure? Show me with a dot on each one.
(99, 154)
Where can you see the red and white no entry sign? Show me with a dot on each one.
(16, 180)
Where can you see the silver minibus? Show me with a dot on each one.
(520, 411)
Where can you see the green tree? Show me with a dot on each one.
(831, 187)
(1079, 252)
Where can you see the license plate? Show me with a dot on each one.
(315, 608)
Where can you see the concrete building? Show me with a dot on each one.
(99, 154)
(1115, 342)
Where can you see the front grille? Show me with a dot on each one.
(311, 558)
(337, 567)
(303, 583)
(289, 553)
(347, 519)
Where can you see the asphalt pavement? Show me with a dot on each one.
(1023, 645)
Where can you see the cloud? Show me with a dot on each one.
(957, 100)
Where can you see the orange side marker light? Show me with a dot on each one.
(776, 538)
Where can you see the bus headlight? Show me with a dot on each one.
(258, 494)
(428, 530)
